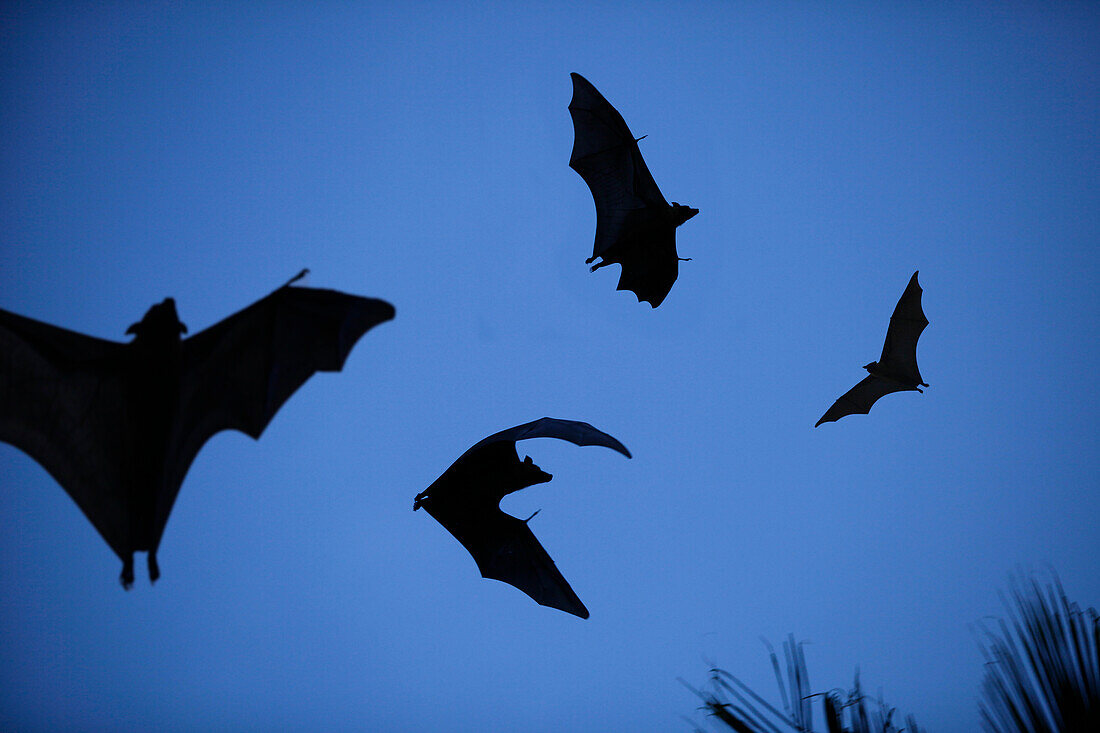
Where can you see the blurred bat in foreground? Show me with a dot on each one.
(118, 424)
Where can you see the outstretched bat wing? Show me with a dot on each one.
(506, 549)
(860, 398)
(899, 353)
(576, 432)
(63, 401)
(606, 156)
(239, 372)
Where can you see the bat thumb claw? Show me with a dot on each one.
(299, 276)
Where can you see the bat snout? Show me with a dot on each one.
(681, 213)
(532, 474)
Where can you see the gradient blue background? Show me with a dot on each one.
(419, 154)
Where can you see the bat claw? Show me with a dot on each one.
(127, 577)
(154, 569)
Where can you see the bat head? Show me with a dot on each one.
(530, 474)
(872, 367)
(681, 213)
(514, 475)
(159, 323)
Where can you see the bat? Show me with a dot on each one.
(118, 424)
(896, 370)
(466, 501)
(635, 226)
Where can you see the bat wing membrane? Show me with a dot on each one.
(64, 402)
(899, 352)
(239, 372)
(574, 431)
(606, 156)
(506, 549)
(860, 398)
(650, 266)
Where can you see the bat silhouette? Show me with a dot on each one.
(896, 370)
(635, 226)
(466, 501)
(118, 424)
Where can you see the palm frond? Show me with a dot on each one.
(751, 713)
(1042, 674)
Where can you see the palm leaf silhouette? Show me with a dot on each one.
(751, 713)
(1042, 674)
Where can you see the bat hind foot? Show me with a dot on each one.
(127, 577)
(154, 569)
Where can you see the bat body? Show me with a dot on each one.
(466, 501)
(118, 424)
(635, 226)
(896, 370)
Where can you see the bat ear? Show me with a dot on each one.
(681, 213)
(160, 319)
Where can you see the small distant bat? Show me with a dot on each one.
(635, 226)
(896, 370)
(466, 501)
(118, 424)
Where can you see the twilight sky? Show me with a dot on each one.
(418, 153)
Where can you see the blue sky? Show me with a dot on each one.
(419, 154)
